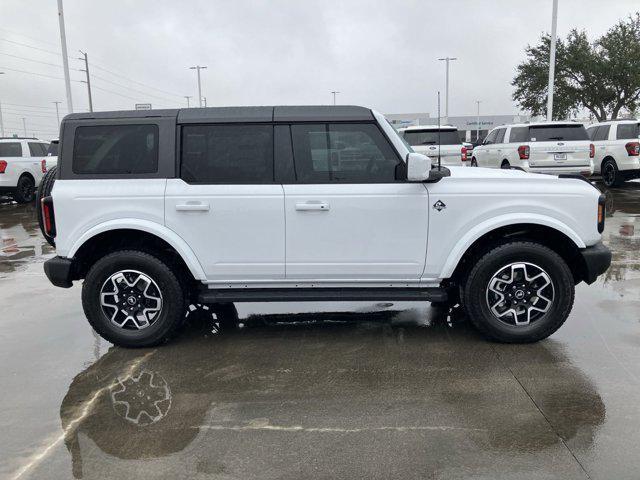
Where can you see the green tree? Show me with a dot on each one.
(602, 76)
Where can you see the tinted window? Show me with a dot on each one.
(500, 135)
(430, 137)
(347, 153)
(550, 133)
(591, 131)
(231, 154)
(602, 133)
(491, 138)
(628, 131)
(37, 149)
(13, 149)
(53, 149)
(519, 134)
(116, 149)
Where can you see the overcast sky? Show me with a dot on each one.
(381, 54)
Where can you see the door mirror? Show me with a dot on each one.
(418, 167)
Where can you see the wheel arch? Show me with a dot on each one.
(553, 234)
(136, 234)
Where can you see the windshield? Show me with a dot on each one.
(430, 137)
(548, 133)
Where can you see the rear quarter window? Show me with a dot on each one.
(115, 149)
(628, 131)
(519, 135)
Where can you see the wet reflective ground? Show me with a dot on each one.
(381, 390)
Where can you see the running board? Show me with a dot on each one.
(320, 294)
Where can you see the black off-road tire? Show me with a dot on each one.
(25, 190)
(173, 299)
(611, 176)
(474, 295)
(44, 190)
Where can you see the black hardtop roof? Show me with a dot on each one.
(292, 113)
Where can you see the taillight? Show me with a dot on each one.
(3, 166)
(523, 152)
(43, 165)
(48, 218)
(463, 154)
(633, 148)
(592, 150)
(601, 212)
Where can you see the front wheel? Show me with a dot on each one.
(133, 299)
(519, 292)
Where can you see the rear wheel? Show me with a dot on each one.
(519, 292)
(133, 299)
(25, 190)
(505, 164)
(610, 174)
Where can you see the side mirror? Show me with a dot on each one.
(418, 167)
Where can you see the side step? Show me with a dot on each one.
(320, 294)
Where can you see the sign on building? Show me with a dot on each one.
(143, 106)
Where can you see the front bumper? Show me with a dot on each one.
(60, 271)
(597, 259)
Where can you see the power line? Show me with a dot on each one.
(94, 65)
(31, 60)
(29, 106)
(31, 46)
(131, 89)
(34, 73)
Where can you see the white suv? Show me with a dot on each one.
(434, 141)
(545, 147)
(617, 150)
(22, 164)
(156, 210)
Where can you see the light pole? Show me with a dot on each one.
(198, 68)
(446, 88)
(478, 122)
(86, 70)
(65, 58)
(334, 93)
(57, 112)
(552, 60)
(187, 97)
(24, 125)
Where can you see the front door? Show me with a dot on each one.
(226, 205)
(348, 214)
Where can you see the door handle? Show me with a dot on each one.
(312, 206)
(192, 207)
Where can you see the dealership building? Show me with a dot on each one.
(467, 125)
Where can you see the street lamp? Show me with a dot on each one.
(334, 93)
(552, 60)
(198, 68)
(478, 122)
(446, 88)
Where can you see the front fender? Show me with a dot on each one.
(153, 228)
(487, 226)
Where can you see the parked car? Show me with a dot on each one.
(434, 141)
(617, 145)
(545, 147)
(220, 205)
(22, 164)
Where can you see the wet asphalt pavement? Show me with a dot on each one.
(380, 390)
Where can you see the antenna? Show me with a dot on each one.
(438, 130)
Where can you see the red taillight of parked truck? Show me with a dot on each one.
(43, 165)
(3, 166)
(523, 152)
(633, 149)
(463, 154)
(592, 150)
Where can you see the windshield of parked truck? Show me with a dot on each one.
(550, 133)
(430, 137)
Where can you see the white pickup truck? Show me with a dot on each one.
(159, 209)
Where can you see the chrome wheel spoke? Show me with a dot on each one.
(131, 300)
(520, 293)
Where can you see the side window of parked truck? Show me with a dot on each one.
(519, 135)
(227, 154)
(13, 149)
(628, 131)
(346, 153)
(602, 133)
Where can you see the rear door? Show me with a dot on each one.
(499, 151)
(37, 152)
(558, 145)
(601, 143)
(484, 152)
(226, 204)
(349, 214)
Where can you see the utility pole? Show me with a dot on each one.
(57, 112)
(478, 122)
(198, 68)
(552, 60)
(446, 88)
(334, 93)
(204, 101)
(24, 125)
(65, 58)
(187, 97)
(86, 70)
